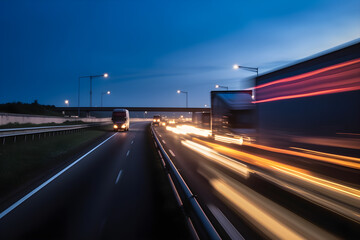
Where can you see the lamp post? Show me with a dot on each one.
(105, 75)
(251, 69)
(102, 94)
(218, 86)
(179, 91)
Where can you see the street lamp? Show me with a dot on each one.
(102, 94)
(67, 102)
(179, 91)
(218, 86)
(251, 69)
(105, 75)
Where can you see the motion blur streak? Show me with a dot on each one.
(328, 154)
(338, 78)
(273, 220)
(350, 162)
(186, 129)
(309, 74)
(225, 139)
(299, 176)
(214, 156)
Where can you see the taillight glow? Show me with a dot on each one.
(338, 78)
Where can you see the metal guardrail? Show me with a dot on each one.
(17, 132)
(206, 225)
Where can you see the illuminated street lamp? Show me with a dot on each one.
(251, 69)
(218, 86)
(179, 91)
(105, 75)
(102, 94)
(67, 102)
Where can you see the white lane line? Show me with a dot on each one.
(160, 135)
(118, 177)
(23, 199)
(225, 223)
(132, 141)
(128, 152)
(171, 152)
(163, 141)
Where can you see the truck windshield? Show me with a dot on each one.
(119, 116)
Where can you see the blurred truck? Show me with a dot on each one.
(233, 114)
(156, 120)
(201, 119)
(313, 104)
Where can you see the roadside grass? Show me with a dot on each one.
(170, 222)
(25, 125)
(24, 161)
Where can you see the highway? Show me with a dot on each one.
(260, 195)
(105, 193)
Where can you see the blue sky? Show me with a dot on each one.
(152, 48)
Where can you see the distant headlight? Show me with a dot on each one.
(154, 120)
(163, 123)
(123, 126)
(158, 120)
(116, 126)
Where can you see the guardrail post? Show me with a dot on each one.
(3, 140)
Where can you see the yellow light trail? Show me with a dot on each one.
(273, 220)
(325, 157)
(291, 171)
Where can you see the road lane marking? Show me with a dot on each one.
(171, 152)
(118, 177)
(225, 223)
(27, 196)
(163, 141)
(160, 135)
(128, 152)
(132, 141)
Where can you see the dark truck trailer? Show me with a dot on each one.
(233, 114)
(314, 102)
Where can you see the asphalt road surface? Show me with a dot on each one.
(106, 193)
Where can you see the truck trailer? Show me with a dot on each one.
(314, 103)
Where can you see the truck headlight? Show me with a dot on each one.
(116, 126)
(123, 126)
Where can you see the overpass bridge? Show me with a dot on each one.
(134, 109)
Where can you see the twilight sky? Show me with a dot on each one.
(151, 48)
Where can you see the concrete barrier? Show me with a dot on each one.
(6, 118)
